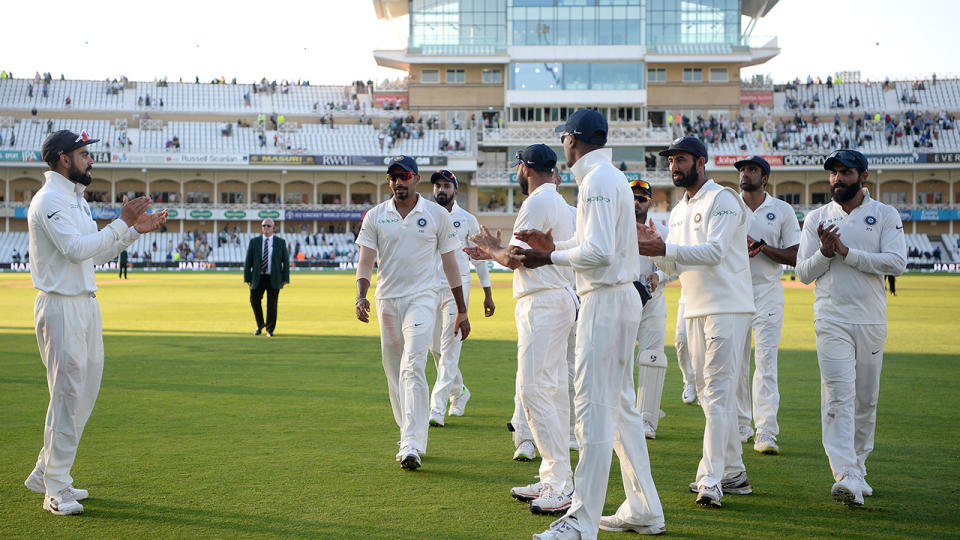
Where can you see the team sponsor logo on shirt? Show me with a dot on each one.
(388, 220)
(598, 198)
(870, 220)
(831, 220)
(771, 216)
(422, 222)
(719, 213)
(456, 224)
(698, 218)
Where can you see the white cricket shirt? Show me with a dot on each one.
(465, 225)
(407, 248)
(775, 222)
(64, 241)
(707, 248)
(543, 209)
(851, 289)
(603, 252)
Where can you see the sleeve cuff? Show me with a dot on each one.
(561, 258)
(853, 257)
(821, 258)
(670, 252)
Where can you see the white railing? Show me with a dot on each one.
(616, 135)
(495, 176)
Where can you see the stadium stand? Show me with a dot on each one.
(84, 95)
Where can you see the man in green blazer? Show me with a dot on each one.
(267, 268)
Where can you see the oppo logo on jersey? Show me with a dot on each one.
(597, 198)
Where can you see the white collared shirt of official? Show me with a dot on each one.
(407, 247)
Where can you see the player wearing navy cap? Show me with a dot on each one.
(405, 235)
(847, 246)
(773, 237)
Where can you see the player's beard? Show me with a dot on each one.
(76, 174)
(401, 193)
(688, 179)
(748, 186)
(641, 214)
(845, 193)
(524, 182)
(442, 198)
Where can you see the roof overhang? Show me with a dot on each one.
(399, 59)
(757, 8)
(388, 9)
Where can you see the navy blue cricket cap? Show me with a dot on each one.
(849, 158)
(689, 144)
(755, 160)
(583, 124)
(444, 174)
(63, 142)
(406, 163)
(539, 157)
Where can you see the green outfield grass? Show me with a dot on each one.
(203, 430)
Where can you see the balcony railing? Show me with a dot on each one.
(617, 136)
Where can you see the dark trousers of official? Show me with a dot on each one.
(256, 298)
(123, 272)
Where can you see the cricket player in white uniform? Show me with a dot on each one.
(689, 395)
(847, 246)
(603, 253)
(64, 247)
(651, 359)
(706, 246)
(405, 234)
(773, 237)
(545, 313)
(446, 346)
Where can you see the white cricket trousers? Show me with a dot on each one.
(767, 324)
(683, 352)
(69, 334)
(651, 336)
(543, 321)
(716, 344)
(850, 356)
(607, 415)
(446, 351)
(406, 330)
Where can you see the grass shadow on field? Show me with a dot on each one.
(236, 435)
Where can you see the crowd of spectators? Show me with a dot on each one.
(934, 255)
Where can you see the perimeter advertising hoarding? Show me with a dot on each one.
(816, 160)
(340, 160)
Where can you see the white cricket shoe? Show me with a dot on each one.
(526, 451)
(766, 444)
(559, 530)
(648, 430)
(848, 490)
(865, 488)
(746, 432)
(735, 485)
(34, 483)
(62, 504)
(459, 403)
(526, 493)
(551, 501)
(409, 458)
(436, 418)
(709, 496)
(690, 394)
(615, 524)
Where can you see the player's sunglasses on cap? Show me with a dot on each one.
(83, 137)
(447, 175)
(400, 175)
(644, 187)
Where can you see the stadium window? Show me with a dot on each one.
(692, 75)
(456, 76)
(791, 198)
(198, 197)
(492, 200)
(330, 198)
(430, 76)
(819, 198)
(265, 198)
(168, 196)
(719, 75)
(894, 198)
(361, 198)
(292, 197)
(101, 196)
(929, 197)
(492, 76)
(657, 75)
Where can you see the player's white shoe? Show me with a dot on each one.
(709, 496)
(526, 493)
(409, 458)
(526, 451)
(63, 503)
(735, 485)
(848, 490)
(648, 430)
(865, 488)
(615, 524)
(436, 418)
(560, 530)
(746, 432)
(459, 403)
(690, 394)
(766, 444)
(551, 501)
(34, 483)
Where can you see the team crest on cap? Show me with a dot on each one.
(771, 216)
(870, 220)
(399, 158)
(422, 222)
(677, 140)
(698, 218)
(456, 224)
